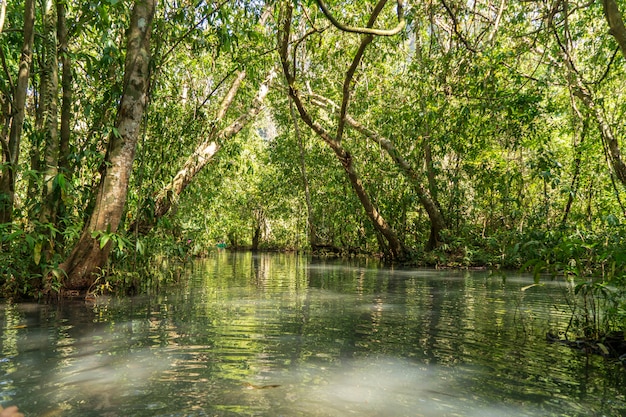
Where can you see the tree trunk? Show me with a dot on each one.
(3, 13)
(256, 236)
(616, 23)
(437, 221)
(313, 239)
(64, 170)
(88, 257)
(204, 152)
(49, 105)
(11, 147)
(394, 250)
(66, 91)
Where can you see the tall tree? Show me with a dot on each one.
(15, 118)
(580, 88)
(390, 243)
(437, 221)
(65, 130)
(92, 249)
(50, 115)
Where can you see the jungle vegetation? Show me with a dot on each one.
(483, 133)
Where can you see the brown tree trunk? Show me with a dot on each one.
(395, 249)
(88, 257)
(616, 23)
(428, 202)
(11, 147)
(49, 105)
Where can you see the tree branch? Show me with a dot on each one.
(425, 197)
(366, 40)
(367, 30)
(230, 96)
(582, 91)
(455, 26)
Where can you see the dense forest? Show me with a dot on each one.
(483, 133)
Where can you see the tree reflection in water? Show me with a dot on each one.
(269, 335)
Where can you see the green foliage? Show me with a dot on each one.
(22, 267)
(483, 115)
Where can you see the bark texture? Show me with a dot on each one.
(50, 112)
(66, 90)
(88, 257)
(616, 23)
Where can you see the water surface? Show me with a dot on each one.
(282, 335)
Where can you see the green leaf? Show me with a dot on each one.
(104, 240)
(37, 253)
(604, 349)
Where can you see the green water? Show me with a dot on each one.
(283, 335)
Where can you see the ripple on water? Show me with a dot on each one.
(335, 340)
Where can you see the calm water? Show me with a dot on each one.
(281, 335)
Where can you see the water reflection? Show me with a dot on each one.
(281, 335)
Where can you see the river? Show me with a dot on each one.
(285, 335)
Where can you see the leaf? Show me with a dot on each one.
(604, 349)
(530, 286)
(528, 264)
(37, 253)
(104, 240)
(121, 244)
(139, 247)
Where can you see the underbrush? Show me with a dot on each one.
(594, 262)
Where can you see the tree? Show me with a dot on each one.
(14, 113)
(391, 245)
(205, 151)
(437, 221)
(50, 115)
(92, 249)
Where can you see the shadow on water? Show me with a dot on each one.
(280, 335)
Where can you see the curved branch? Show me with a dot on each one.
(582, 91)
(365, 40)
(366, 31)
(428, 202)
